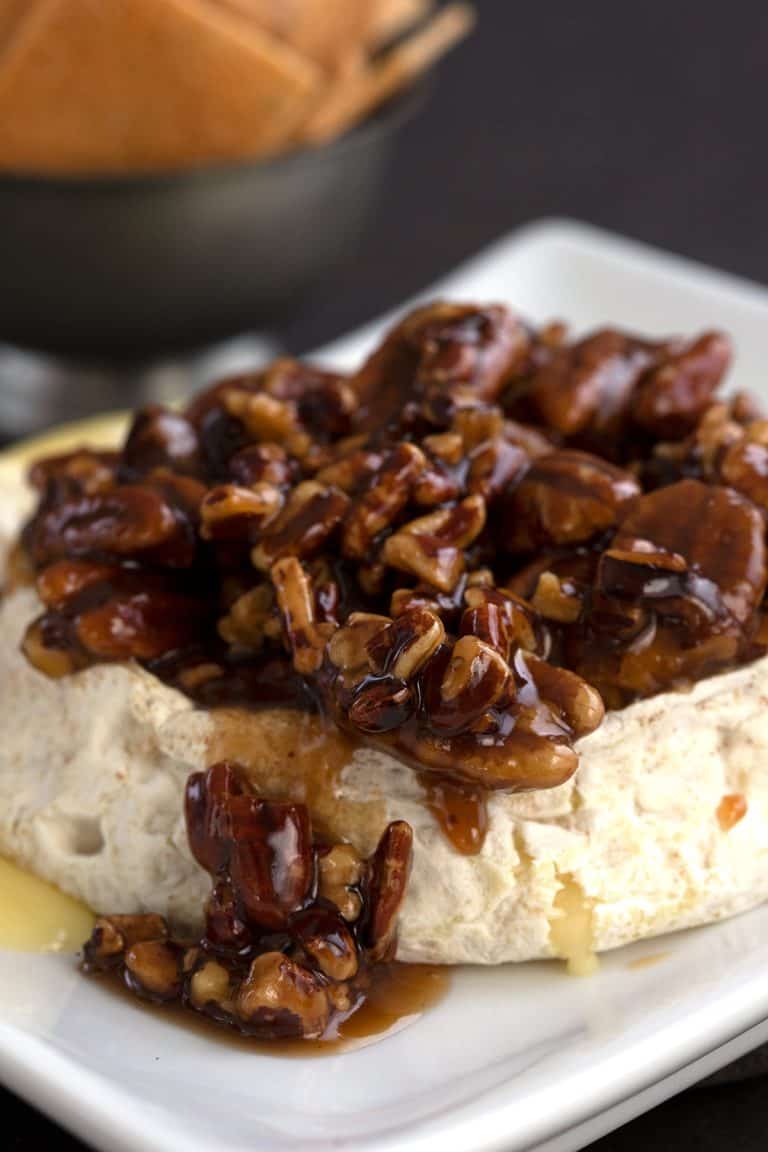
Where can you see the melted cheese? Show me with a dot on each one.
(572, 933)
(36, 917)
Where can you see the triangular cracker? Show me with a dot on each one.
(130, 84)
(11, 14)
(326, 31)
(347, 104)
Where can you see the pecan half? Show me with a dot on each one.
(159, 438)
(672, 396)
(390, 868)
(718, 532)
(566, 497)
(588, 385)
(440, 358)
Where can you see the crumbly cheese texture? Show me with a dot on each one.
(92, 772)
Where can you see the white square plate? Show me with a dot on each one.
(514, 1058)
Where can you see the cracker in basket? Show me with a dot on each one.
(347, 104)
(326, 31)
(116, 85)
(390, 18)
(11, 13)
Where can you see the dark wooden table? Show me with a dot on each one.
(646, 118)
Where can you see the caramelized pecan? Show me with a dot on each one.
(439, 358)
(718, 533)
(127, 520)
(387, 495)
(310, 517)
(159, 438)
(390, 868)
(371, 507)
(278, 959)
(431, 547)
(588, 385)
(566, 497)
(672, 396)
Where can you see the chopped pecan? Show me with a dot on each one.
(210, 987)
(403, 646)
(310, 517)
(566, 694)
(325, 937)
(280, 998)
(377, 507)
(381, 705)
(493, 466)
(348, 647)
(290, 404)
(340, 873)
(113, 935)
(230, 512)
(474, 678)
(250, 619)
(306, 637)
(431, 547)
(269, 858)
(447, 447)
(557, 599)
(263, 464)
(152, 969)
(51, 651)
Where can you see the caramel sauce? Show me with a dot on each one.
(731, 809)
(36, 917)
(300, 756)
(399, 995)
(461, 812)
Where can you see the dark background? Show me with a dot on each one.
(645, 118)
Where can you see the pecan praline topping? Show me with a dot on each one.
(461, 553)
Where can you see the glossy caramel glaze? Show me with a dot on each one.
(461, 812)
(400, 994)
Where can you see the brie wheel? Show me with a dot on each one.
(638, 843)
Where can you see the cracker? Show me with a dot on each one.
(325, 31)
(391, 18)
(11, 13)
(347, 104)
(116, 85)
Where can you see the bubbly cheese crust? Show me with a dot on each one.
(92, 770)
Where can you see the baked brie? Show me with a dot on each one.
(499, 586)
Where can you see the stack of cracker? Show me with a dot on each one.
(95, 86)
